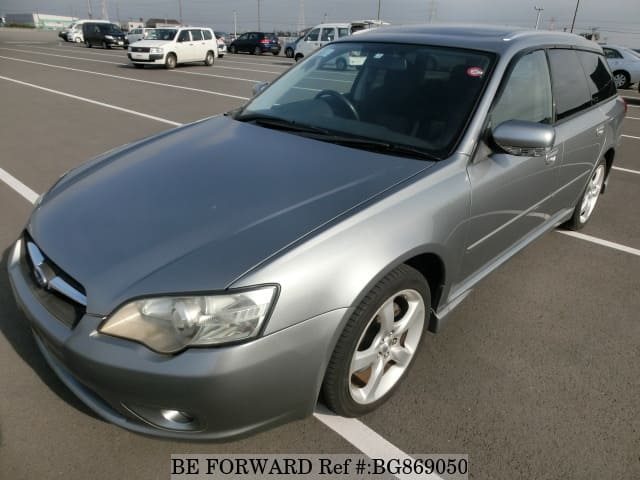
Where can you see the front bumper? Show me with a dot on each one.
(146, 57)
(230, 391)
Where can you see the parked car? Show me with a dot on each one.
(73, 33)
(171, 46)
(324, 33)
(256, 43)
(137, 34)
(222, 44)
(259, 279)
(290, 47)
(106, 35)
(625, 64)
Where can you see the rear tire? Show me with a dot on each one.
(621, 79)
(209, 59)
(106, 46)
(587, 203)
(288, 52)
(341, 64)
(170, 62)
(232, 49)
(257, 51)
(276, 53)
(299, 57)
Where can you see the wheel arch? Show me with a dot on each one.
(609, 155)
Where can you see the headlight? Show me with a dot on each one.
(170, 324)
(155, 50)
(108, 37)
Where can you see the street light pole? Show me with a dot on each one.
(574, 16)
(259, 29)
(379, 1)
(180, 10)
(539, 10)
(235, 24)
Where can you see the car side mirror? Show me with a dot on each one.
(259, 87)
(527, 139)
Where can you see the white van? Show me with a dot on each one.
(324, 33)
(74, 31)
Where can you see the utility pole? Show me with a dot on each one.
(432, 10)
(118, 13)
(259, 29)
(89, 9)
(301, 20)
(235, 24)
(573, 24)
(180, 10)
(105, 15)
(539, 10)
(379, 1)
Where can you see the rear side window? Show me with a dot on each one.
(207, 34)
(196, 34)
(570, 87)
(343, 32)
(328, 35)
(601, 84)
(527, 93)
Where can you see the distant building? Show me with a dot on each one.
(156, 22)
(39, 20)
(131, 25)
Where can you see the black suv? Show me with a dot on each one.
(256, 43)
(106, 35)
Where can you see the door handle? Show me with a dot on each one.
(599, 130)
(551, 157)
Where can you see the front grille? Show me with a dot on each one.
(140, 49)
(67, 308)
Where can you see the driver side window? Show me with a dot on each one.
(527, 94)
(313, 35)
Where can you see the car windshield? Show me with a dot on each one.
(161, 34)
(414, 96)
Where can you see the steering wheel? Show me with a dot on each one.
(326, 95)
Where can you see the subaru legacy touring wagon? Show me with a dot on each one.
(222, 277)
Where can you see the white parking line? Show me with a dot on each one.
(217, 76)
(626, 170)
(191, 89)
(630, 136)
(226, 60)
(633, 118)
(366, 440)
(600, 241)
(95, 102)
(18, 186)
(62, 56)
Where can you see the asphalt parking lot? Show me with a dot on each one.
(535, 375)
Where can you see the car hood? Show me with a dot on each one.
(151, 43)
(195, 208)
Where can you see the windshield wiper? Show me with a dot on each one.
(280, 123)
(376, 146)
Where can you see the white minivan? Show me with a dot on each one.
(137, 34)
(172, 45)
(324, 33)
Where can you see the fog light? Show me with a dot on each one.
(165, 418)
(176, 416)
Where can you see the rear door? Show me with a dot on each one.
(580, 124)
(512, 195)
(198, 45)
(328, 34)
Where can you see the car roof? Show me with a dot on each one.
(497, 39)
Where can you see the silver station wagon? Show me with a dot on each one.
(221, 277)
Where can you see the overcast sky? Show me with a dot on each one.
(617, 20)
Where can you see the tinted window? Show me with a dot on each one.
(207, 34)
(610, 53)
(312, 36)
(196, 34)
(184, 36)
(343, 32)
(570, 87)
(244, 36)
(601, 85)
(527, 93)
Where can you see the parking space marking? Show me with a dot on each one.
(18, 186)
(366, 440)
(218, 76)
(95, 102)
(633, 118)
(257, 63)
(62, 56)
(626, 170)
(600, 241)
(630, 136)
(209, 92)
(248, 69)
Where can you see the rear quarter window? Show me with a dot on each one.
(207, 34)
(599, 79)
(569, 82)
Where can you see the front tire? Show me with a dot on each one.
(232, 49)
(170, 62)
(289, 52)
(209, 59)
(378, 344)
(87, 43)
(621, 79)
(299, 57)
(587, 203)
